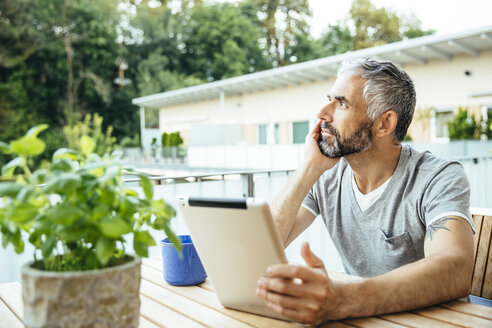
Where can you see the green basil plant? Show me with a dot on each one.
(76, 212)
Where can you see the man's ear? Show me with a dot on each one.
(386, 123)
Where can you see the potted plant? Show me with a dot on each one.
(79, 216)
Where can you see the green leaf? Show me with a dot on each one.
(61, 164)
(48, 245)
(87, 145)
(35, 130)
(5, 148)
(105, 249)
(146, 186)
(114, 227)
(162, 209)
(17, 242)
(9, 168)
(9, 189)
(66, 153)
(64, 213)
(131, 192)
(28, 146)
(22, 212)
(38, 177)
(173, 238)
(110, 173)
(128, 207)
(62, 182)
(25, 193)
(144, 237)
(99, 211)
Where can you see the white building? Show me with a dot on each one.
(448, 70)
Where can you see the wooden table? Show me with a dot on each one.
(163, 305)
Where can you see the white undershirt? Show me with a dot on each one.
(366, 201)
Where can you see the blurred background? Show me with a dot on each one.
(214, 98)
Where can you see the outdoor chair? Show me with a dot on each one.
(481, 291)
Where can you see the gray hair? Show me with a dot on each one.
(386, 87)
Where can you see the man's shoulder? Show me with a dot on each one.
(425, 161)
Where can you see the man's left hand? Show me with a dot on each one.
(302, 293)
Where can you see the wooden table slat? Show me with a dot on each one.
(335, 324)
(454, 317)
(373, 322)
(416, 321)
(470, 308)
(163, 316)
(7, 318)
(154, 262)
(11, 294)
(145, 323)
(187, 307)
(210, 300)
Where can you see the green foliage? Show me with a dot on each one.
(172, 139)
(285, 25)
(463, 126)
(171, 144)
(58, 58)
(489, 128)
(221, 42)
(377, 26)
(131, 142)
(408, 138)
(77, 211)
(90, 127)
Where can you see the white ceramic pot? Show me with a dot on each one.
(106, 298)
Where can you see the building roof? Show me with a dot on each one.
(419, 50)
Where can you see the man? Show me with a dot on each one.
(399, 218)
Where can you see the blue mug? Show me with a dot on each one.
(182, 270)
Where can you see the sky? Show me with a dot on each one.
(444, 16)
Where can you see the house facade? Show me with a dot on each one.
(278, 106)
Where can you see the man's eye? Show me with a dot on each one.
(342, 104)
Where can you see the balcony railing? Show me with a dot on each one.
(263, 184)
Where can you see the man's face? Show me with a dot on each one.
(345, 128)
(337, 146)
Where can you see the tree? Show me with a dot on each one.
(285, 23)
(59, 63)
(221, 42)
(377, 26)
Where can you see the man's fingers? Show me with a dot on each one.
(311, 260)
(289, 287)
(300, 313)
(296, 271)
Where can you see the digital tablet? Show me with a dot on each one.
(236, 240)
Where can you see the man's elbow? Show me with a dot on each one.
(463, 278)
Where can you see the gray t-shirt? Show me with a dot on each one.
(391, 232)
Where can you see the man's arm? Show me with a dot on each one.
(444, 274)
(291, 219)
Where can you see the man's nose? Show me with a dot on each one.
(326, 113)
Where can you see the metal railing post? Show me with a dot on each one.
(248, 184)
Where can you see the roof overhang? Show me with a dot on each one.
(413, 51)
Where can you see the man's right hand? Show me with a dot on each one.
(313, 158)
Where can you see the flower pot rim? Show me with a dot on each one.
(27, 269)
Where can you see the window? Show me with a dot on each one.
(439, 123)
(299, 131)
(262, 133)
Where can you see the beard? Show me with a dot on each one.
(360, 140)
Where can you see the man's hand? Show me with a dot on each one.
(312, 154)
(302, 293)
